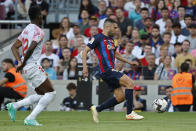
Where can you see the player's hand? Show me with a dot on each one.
(85, 72)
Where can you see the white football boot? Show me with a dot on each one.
(134, 116)
(95, 114)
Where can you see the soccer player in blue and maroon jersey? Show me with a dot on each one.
(104, 47)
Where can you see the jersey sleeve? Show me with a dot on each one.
(38, 35)
(93, 43)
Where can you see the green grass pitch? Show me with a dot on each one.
(109, 121)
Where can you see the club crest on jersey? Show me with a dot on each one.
(92, 40)
(110, 47)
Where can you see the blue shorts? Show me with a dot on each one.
(112, 78)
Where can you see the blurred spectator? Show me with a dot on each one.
(156, 12)
(93, 21)
(138, 103)
(102, 9)
(156, 39)
(162, 22)
(184, 55)
(190, 8)
(23, 7)
(135, 73)
(7, 8)
(109, 11)
(170, 107)
(138, 50)
(128, 55)
(181, 96)
(95, 67)
(123, 23)
(119, 66)
(63, 43)
(70, 103)
(64, 61)
(79, 55)
(43, 6)
(50, 71)
(147, 51)
(192, 68)
(188, 21)
(177, 36)
(12, 85)
(72, 72)
(85, 21)
(140, 23)
(172, 12)
(147, 26)
(148, 71)
(78, 46)
(164, 71)
(122, 45)
(180, 19)
(54, 59)
(192, 37)
(177, 3)
(166, 39)
(77, 34)
(135, 36)
(131, 5)
(168, 26)
(178, 49)
(65, 29)
(89, 7)
(135, 14)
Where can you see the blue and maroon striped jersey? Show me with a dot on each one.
(105, 50)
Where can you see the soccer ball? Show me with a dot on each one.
(159, 105)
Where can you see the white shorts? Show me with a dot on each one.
(34, 74)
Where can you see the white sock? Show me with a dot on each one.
(43, 102)
(27, 101)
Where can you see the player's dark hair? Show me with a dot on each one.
(33, 12)
(144, 9)
(8, 60)
(184, 67)
(71, 86)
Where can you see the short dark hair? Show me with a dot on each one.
(166, 33)
(71, 86)
(33, 12)
(45, 59)
(62, 35)
(180, 7)
(186, 41)
(148, 18)
(8, 60)
(177, 24)
(144, 9)
(188, 16)
(164, 8)
(167, 87)
(109, 21)
(188, 60)
(184, 67)
(156, 27)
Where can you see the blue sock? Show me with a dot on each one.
(129, 100)
(107, 104)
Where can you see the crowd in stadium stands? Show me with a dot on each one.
(159, 35)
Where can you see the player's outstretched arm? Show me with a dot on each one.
(15, 50)
(119, 57)
(84, 56)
